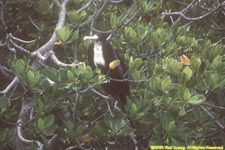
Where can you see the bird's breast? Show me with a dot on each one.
(98, 55)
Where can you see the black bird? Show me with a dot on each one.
(100, 54)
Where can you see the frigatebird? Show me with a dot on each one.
(101, 54)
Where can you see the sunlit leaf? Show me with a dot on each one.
(113, 64)
(197, 100)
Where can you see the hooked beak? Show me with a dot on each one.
(94, 37)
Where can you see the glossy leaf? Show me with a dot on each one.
(197, 100)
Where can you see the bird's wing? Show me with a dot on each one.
(122, 67)
(91, 55)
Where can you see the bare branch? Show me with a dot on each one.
(61, 64)
(84, 7)
(62, 15)
(212, 117)
(20, 40)
(115, 1)
(100, 94)
(19, 47)
(31, 20)
(182, 13)
(19, 133)
(14, 82)
(190, 18)
(214, 106)
(24, 140)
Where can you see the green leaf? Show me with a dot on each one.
(30, 78)
(166, 84)
(188, 73)
(217, 62)
(165, 119)
(66, 35)
(141, 32)
(76, 17)
(4, 103)
(155, 84)
(134, 64)
(130, 34)
(197, 100)
(70, 76)
(133, 108)
(171, 126)
(195, 63)
(46, 122)
(114, 21)
(42, 6)
(20, 66)
(186, 94)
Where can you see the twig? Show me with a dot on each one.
(115, 1)
(20, 40)
(32, 22)
(88, 88)
(19, 133)
(19, 47)
(185, 10)
(61, 64)
(131, 18)
(99, 12)
(100, 94)
(52, 140)
(217, 107)
(181, 14)
(105, 98)
(212, 117)
(88, 4)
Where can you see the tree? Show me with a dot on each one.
(51, 99)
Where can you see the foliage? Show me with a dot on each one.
(171, 102)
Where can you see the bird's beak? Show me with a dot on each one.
(94, 37)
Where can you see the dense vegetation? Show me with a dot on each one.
(50, 98)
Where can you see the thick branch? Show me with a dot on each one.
(50, 44)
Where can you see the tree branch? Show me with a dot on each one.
(212, 117)
(14, 82)
(88, 4)
(182, 13)
(2, 20)
(20, 40)
(19, 47)
(61, 64)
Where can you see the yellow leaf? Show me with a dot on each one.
(113, 64)
(59, 43)
(111, 142)
(86, 138)
(185, 60)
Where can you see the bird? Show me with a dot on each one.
(102, 55)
